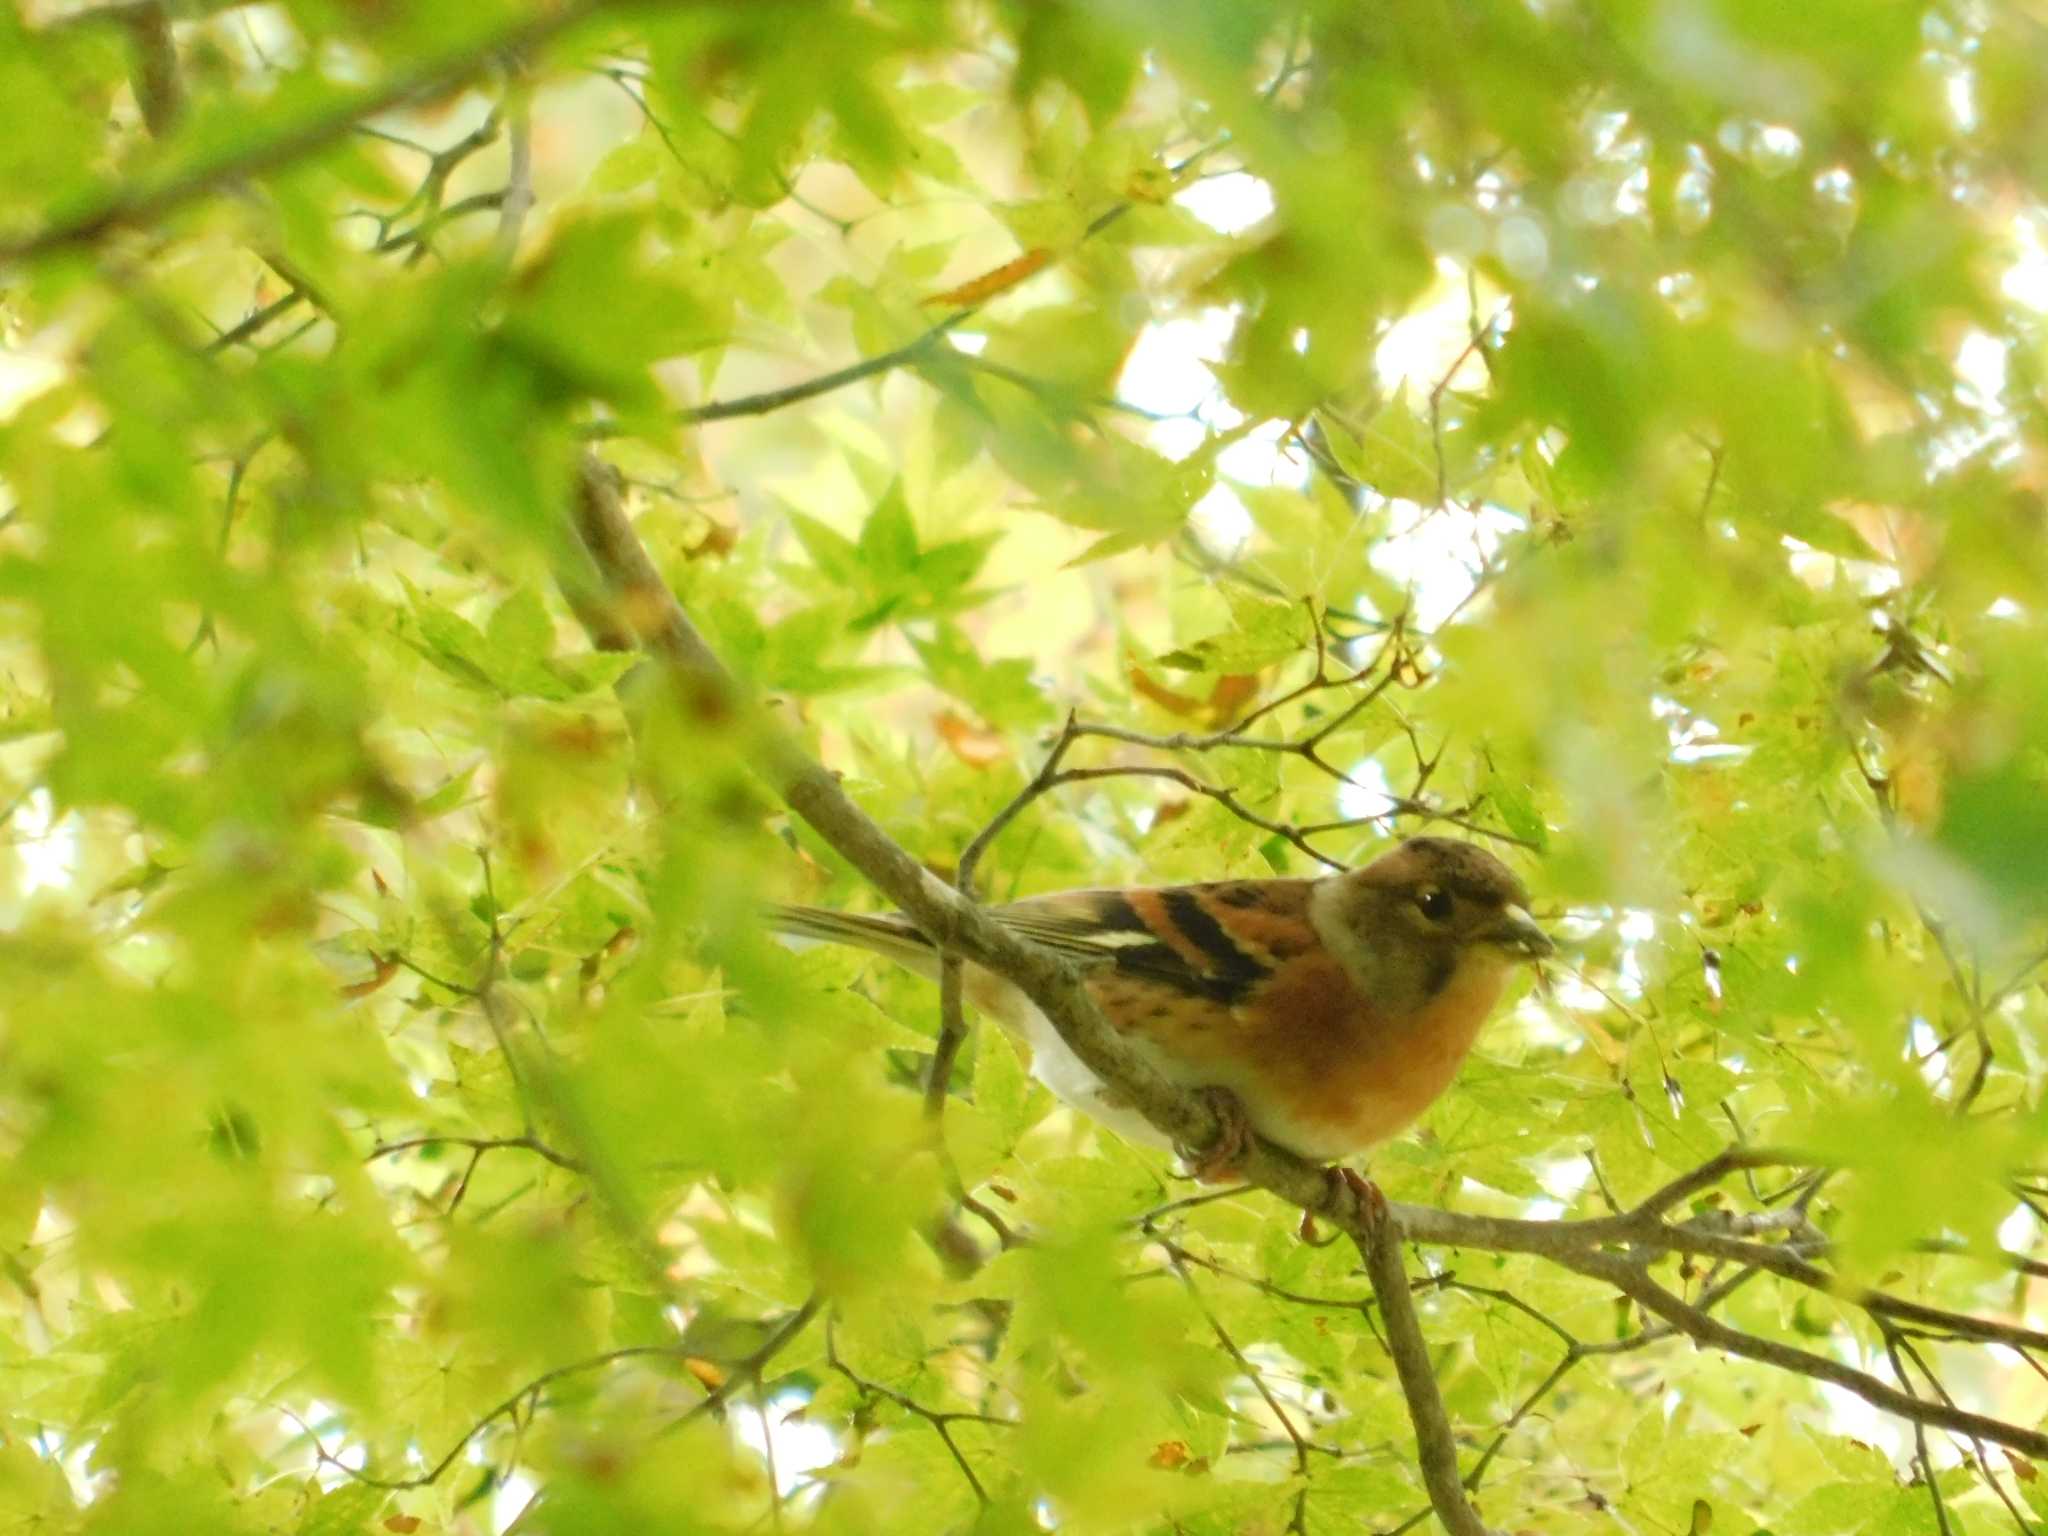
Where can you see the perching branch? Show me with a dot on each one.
(635, 594)
(1615, 1250)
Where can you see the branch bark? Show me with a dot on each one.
(1634, 1282)
(159, 91)
(1436, 1448)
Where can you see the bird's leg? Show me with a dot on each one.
(1218, 1162)
(1370, 1203)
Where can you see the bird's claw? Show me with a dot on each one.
(1345, 1186)
(1217, 1163)
(1371, 1203)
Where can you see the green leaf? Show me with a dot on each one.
(520, 633)
(1262, 633)
(888, 541)
(1996, 823)
(342, 1511)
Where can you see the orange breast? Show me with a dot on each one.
(1320, 1070)
(1414, 1066)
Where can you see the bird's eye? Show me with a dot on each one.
(1435, 902)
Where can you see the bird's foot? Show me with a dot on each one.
(1218, 1162)
(1365, 1195)
(1348, 1190)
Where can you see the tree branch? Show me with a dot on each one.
(1435, 1446)
(143, 204)
(159, 89)
(631, 595)
(638, 597)
(1634, 1282)
(531, 1144)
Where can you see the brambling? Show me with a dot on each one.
(1329, 1012)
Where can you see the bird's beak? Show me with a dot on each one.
(1517, 933)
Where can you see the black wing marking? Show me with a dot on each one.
(1111, 926)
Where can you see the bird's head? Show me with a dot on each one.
(1429, 912)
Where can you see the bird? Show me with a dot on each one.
(1321, 1014)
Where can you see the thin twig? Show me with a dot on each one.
(742, 1374)
(517, 200)
(145, 203)
(1634, 1282)
(1294, 1436)
(1920, 1456)
(476, 1144)
(941, 1422)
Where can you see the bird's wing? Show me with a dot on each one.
(1216, 942)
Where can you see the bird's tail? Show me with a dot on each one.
(888, 934)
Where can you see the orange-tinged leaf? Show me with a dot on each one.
(980, 290)
(1169, 1454)
(1225, 702)
(404, 1525)
(975, 745)
(1232, 692)
(1918, 780)
(718, 541)
(1174, 703)
(1897, 535)
(386, 968)
(705, 1371)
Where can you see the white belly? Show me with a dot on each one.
(1074, 1083)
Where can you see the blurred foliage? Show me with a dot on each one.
(1630, 410)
